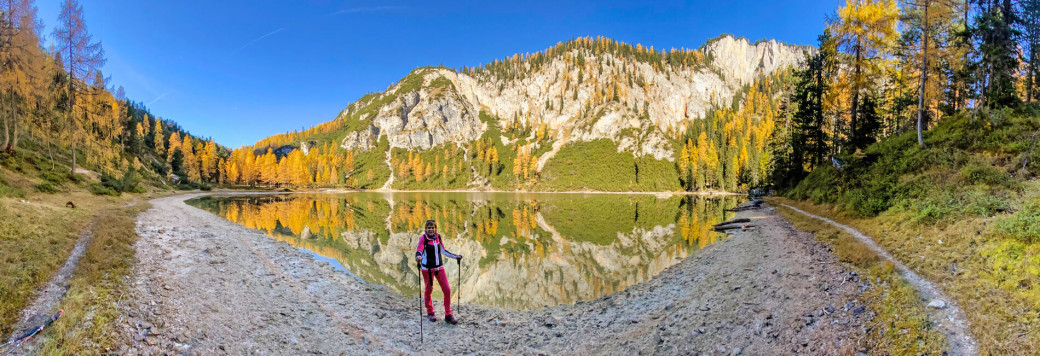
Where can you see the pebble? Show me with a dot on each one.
(937, 304)
(859, 310)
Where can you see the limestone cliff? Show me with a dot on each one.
(583, 90)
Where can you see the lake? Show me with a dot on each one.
(522, 250)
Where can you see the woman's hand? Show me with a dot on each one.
(459, 257)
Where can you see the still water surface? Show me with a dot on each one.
(522, 251)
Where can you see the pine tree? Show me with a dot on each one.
(996, 61)
(870, 123)
(808, 141)
(1031, 32)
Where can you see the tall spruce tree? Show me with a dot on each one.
(997, 55)
(1031, 38)
(808, 141)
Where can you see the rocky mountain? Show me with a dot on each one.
(529, 107)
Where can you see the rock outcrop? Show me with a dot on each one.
(637, 104)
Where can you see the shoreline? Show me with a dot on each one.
(205, 285)
(707, 193)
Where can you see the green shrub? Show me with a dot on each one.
(101, 189)
(9, 191)
(47, 187)
(958, 174)
(111, 186)
(1023, 225)
(54, 177)
(984, 174)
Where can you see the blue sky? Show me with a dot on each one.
(239, 71)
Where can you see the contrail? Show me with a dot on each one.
(157, 99)
(255, 40)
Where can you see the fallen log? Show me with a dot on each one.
(751, 205)
(743, 227)
(734, 221)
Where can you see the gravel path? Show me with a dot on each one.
(203, 285)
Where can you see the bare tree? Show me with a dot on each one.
(83, 57)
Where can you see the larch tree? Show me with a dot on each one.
(82, 56)
(933, 20)
(866, 31)
(22, 71)
(190, 165)
(158, 139)
(174, 145)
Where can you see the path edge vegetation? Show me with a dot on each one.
(89, 325)
(969, 265)
(900, 324)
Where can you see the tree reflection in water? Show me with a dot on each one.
(524, 250)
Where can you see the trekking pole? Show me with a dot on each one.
(29, 333)
(459, 262)
(417, 267)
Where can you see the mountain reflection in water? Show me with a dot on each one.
(522, 250)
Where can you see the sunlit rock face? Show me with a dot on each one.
(643, 103)
(521, 252)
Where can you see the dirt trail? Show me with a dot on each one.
(203, 285)
(947, 317)
(45, 304)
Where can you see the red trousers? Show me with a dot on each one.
(442, 279)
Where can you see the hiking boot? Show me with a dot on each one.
(433, 318)
(450, 319)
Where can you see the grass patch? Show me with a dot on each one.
(36, 236)
(597, 165)
(901, 325)
(90, 303)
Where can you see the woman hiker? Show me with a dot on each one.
(428, 256)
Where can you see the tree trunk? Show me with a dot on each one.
(855, 95)
(50, 152)
(7, 134)
(73, 171)
(924, 76)
(1032, 67)
(7, 123)
(14, 136)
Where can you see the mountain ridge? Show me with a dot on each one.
(579, 91)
